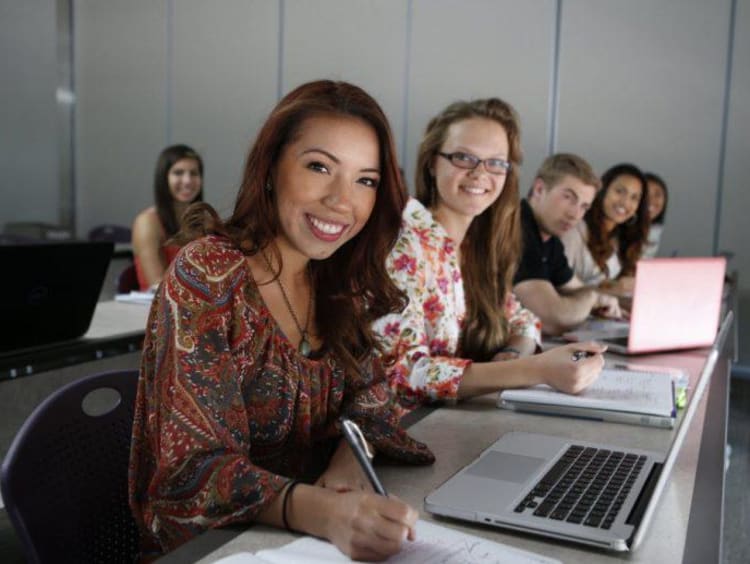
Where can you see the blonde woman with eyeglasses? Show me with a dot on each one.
(463, 332)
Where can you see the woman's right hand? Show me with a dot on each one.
(559, 369)
(367, 526)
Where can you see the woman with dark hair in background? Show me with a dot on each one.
(455, 259)
(605, 246)
(260, 338)
(178, 182)
(658, 196)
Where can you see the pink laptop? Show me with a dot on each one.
(676, 305)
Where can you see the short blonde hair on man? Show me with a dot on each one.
(556, 166)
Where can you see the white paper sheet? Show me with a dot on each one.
(435, 544)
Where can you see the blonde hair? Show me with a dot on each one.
(491, 247)
(559, 165)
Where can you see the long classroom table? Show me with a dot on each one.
(687, 526)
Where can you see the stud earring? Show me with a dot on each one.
(268, 186)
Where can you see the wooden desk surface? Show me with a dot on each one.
(458, 434)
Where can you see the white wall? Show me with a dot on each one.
(642, 80)
(734, 230)
(223, 84)
(120, 82)
(29, 166)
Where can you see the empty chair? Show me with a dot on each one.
(64, 479)
(114, 233)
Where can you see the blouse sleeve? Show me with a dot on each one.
(189, 470)
(417, 374)
(370, 403)
(580, 258)
(521, 321)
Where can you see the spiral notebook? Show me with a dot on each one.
(621, 395)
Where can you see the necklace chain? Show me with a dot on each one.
(304, 345)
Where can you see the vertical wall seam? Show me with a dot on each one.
(66, 106)
(73, 108)
(169, 74)
(724, 125)
(407, 90)
(554, 87)
(280, 52)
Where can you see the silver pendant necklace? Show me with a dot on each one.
(304, 345)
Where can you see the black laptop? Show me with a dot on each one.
(48, 291)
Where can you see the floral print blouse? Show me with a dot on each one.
(424, 338)
(228, 411)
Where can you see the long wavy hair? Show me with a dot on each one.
(352, 287)
(162, 196)
(627, 239)
(491, 248)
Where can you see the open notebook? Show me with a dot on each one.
(622, 395)
(434, 544)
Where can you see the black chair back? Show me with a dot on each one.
(64, 479)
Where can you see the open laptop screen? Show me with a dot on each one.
(49, 291)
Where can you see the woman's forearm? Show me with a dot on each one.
(482, 378)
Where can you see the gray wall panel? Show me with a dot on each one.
(734, 232)
(362, 42)
(642, 81)
(223, 85)
(477, 50)
(29, 189)
(121, 73)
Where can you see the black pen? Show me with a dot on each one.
(580, 355)
(357, 442)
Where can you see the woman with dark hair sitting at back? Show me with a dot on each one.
(658, 196)
(605, 246)
(178, 182)
(259, 339)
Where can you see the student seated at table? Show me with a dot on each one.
(604, 247)
(178, 182)
(563, 189)
(657, 209)
(260, 338)
(455, 258)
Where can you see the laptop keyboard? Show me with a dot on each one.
(622, 341)
(586, 485)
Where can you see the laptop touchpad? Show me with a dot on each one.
(505, 466)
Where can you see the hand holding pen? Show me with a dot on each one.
(362, 453)
(384, 522)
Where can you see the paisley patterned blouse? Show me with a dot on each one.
(228, 410)
(424, 338)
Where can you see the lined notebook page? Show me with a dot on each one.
(615, 389)
(435, 544)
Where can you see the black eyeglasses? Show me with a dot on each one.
(470, 162)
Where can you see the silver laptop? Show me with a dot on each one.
(676, 305)
(596, 494)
